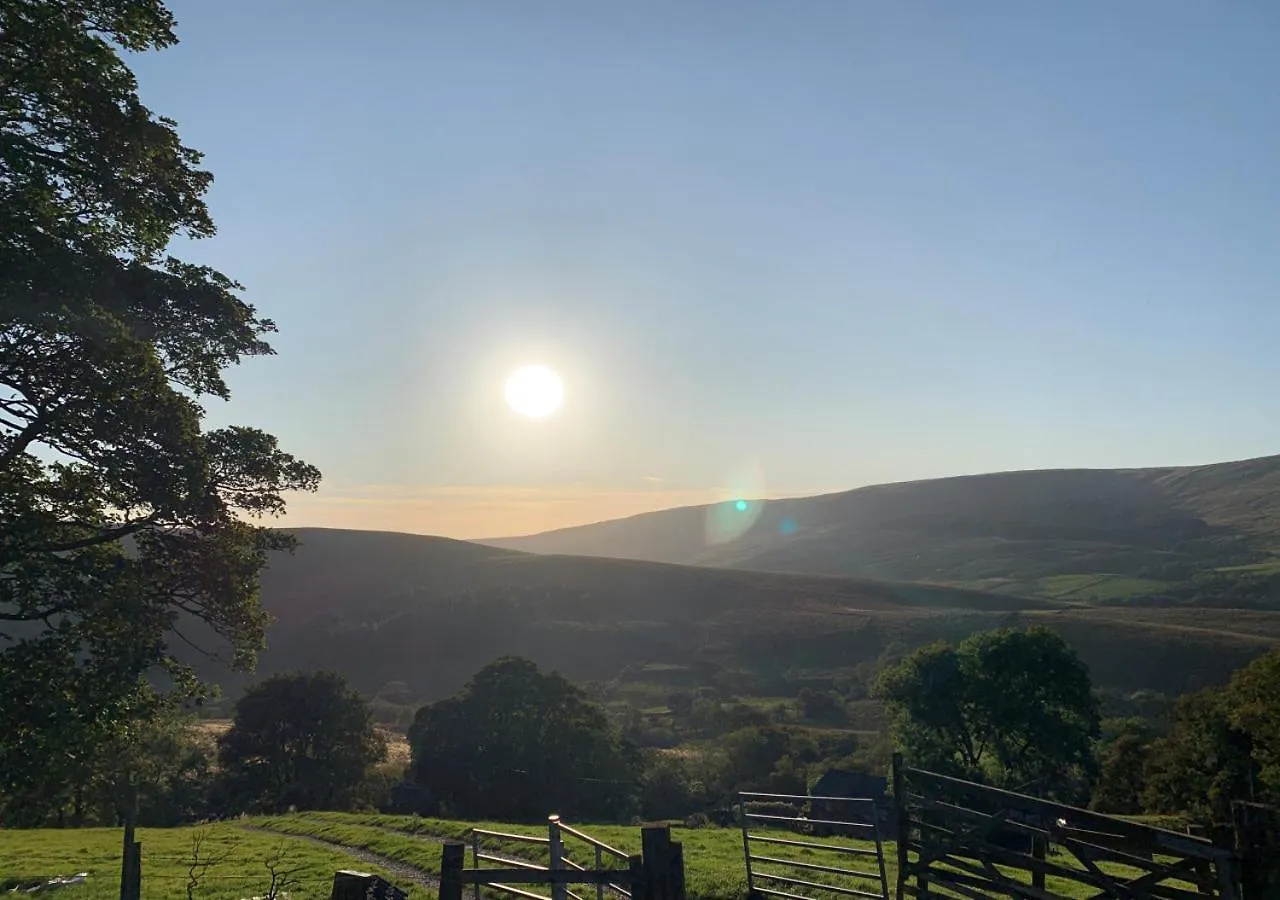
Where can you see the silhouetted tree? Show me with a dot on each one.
(120, 517)
(304, 740)
(517, 744)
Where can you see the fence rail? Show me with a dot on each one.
(657, 874)
(558, 858)
(961, 839)
(782, 880)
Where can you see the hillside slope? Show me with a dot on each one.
(429, 612)
(1012, 530)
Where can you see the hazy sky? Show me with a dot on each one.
(770, 246)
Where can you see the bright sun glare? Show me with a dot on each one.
(534, 391)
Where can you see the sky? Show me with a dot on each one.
(772, 248)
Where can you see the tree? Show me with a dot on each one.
(518, 744)
(122, 522)
(1253, 709)
(1203, 763)
(1009, 707)
(1122, 764)
(820, 706)
(304, 740)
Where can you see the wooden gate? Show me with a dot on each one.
(960, 839)
(656, 874)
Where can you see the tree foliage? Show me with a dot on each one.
(303, 740)
(121, 520)
(1123, 754)
(1010, 707)
(517, 744)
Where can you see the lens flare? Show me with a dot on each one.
(741, 507)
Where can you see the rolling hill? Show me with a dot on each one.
(428, 612)
(1080, 534)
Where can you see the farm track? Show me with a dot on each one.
(400, 870)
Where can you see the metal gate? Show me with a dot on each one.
(833, 842)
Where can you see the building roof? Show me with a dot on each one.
(842, 783)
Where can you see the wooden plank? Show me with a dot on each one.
(1111, 886)
(1095, 878)
(1116, 849)
(1076, 817)
(519, 892)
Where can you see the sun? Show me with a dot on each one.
(534, 392)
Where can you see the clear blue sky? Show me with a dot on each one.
(828, 242)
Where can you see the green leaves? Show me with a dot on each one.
(519, 744)
(304, 740)
(122, 524)
(1015, 708)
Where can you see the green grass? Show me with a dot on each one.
(714, 868)
(1268, 567)
(29, 856)
(1095, 587)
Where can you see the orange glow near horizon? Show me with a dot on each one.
(470, 513)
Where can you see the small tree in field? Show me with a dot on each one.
(304, 740)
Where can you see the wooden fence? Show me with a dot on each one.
(960, 839)
(656, 874)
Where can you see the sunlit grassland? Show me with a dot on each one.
(29, 856)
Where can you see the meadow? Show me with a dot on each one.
(238, 857)
(312, 846)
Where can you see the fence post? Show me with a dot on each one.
(599, 866)
(453, 858)
(677, 870)
(746, 845)
(475, 859)
(1039, 851)
(559, 891)
(131, 851)
(901, 821)
(658, 858)
(1257, 837)
(639, 878)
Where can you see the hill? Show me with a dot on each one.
(1182, 534)
(428, 612)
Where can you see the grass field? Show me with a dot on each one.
(714, 867)
(27, 857)
(1083, 588)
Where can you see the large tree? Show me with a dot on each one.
(1010, 707)
(120, 518)
(304, 740)
(519, 744)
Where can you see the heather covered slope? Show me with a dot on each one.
(1155, 529)
(428, 612)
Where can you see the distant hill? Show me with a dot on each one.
(1076, 534)
(428, 612)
